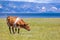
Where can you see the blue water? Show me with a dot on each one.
(31, 15)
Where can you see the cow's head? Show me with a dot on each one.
(26, 27)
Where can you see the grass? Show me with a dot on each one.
(41, 29)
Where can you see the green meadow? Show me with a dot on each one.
(41, 29)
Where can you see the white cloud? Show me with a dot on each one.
(43, 1)
(54, 8)
(24, 6)
(14, 6)
(43, 9)
(23, 0)
(38, 1)
(1, 6)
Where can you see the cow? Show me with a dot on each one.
(15, 23)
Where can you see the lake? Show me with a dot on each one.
(31, 15)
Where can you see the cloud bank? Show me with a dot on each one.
(38, 1)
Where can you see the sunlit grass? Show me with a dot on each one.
(41, 29)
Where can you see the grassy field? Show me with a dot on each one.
(41, 29)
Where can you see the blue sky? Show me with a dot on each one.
(46, 6)
(38, 1)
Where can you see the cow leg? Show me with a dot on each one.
(10, 29)
(18, 29)
(13, 30)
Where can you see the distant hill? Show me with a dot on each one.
(28, 7)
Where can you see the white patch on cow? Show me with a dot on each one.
(17, 19)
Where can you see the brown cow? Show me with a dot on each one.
(16, 22)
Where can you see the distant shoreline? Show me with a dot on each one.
(31, 15)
